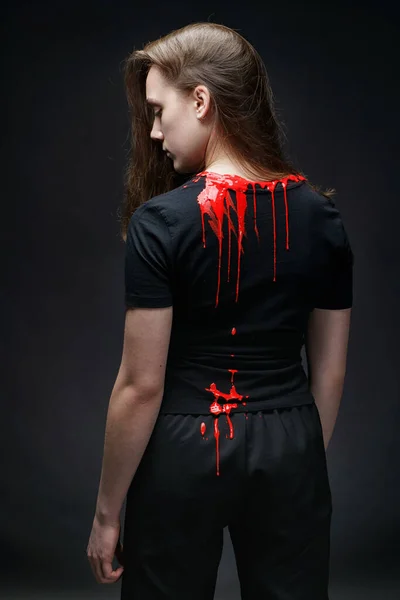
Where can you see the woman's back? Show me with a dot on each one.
(243, 265)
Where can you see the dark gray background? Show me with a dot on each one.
(334, 73)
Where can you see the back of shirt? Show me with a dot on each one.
(243, 264)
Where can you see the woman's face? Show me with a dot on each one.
(177, 122)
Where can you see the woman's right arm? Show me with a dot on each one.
(326, 351)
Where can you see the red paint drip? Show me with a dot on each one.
(216, 435)
(241, 210)
(215, 201)
(230, 426)
(216, 409)
(203, 429)
(284, 185)
(229, 244)
(274, 229)
(233, 371)
(233, 332)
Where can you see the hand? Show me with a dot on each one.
(104, 543)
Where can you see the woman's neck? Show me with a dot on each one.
(229, 168)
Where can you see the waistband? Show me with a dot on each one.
(198, 406)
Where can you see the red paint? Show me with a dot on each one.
(215, 200)
(229, 243)
(203, 429)
(216, 435)
(216, 409)
(232, 371)
(230, 426)
(232, 395)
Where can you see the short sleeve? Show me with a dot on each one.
(148, 260)
(334, 285)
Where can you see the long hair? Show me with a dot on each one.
(241, 98)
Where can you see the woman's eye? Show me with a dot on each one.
(158, 113)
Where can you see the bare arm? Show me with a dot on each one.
(132, 413)
(326, 350)
(134, 404)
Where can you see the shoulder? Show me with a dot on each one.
(317, 201)
(324, 214)
(174, 207)
(327, 225)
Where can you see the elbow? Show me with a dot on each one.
(149, 393)
(332, 379)
(137, 393)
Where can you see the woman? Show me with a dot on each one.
(234, 261)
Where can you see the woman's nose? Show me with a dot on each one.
(156, 134)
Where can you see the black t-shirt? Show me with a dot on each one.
(243, 264)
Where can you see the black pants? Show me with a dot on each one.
(272, 493)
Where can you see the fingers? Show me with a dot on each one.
(103, 571)
(100, 554)
(107, 572)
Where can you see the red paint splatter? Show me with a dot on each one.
(216, 409)
(203, 429)
(216, 201)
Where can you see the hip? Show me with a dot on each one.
(208, 445)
